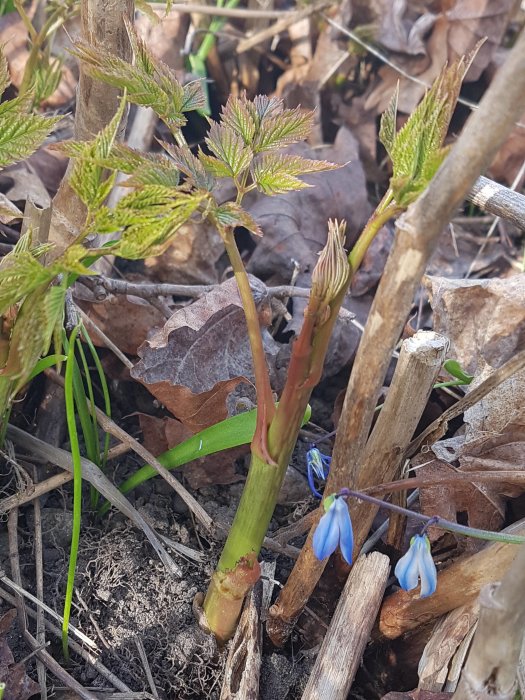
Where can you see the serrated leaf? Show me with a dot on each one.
(88, 178)
(147, 219)
(288, 127)
(266, 108)
(19, 276)
(150, 82)
(194, 96)
(276, 173)
(71, 260)
(417, 149)
(229, 147)
(214, 166)
(230, 215)
(32, 332)
(5, 78)
(21, 134)
(387, 130)
(241, 116)
(188, 164)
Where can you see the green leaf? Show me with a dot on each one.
(232, 432)
(88, 178)
(191, 166)
(417, 149)
(276, 173)
(5, 78)
(240, 115)
(230, 215)
(149, 82)
(289, 126)
(229, 147)
(32, 331)
(454, 368)
(387, 130)
(20, 133)
(19, 276)
(147, 219)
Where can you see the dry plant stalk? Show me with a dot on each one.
(492, 663)
(417, 234)
(102, 26)
(459, 584)
(349, 631)
(419, 363)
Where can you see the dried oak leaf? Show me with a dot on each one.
(161, 434)
(202, 354)
(18, 685)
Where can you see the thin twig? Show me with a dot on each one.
(234, 12)
(20, 499)
(39, 573)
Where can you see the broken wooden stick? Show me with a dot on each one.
(349, 631)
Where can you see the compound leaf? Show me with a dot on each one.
(229, 147)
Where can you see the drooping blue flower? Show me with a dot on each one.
(417, 564)
(334, 528)
(318, 465)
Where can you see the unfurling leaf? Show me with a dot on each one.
(289, 126)
(88, 177)
(20, 275)
(230, 215)
(240, 115)
(147, 219)
(276, 173)
(32, 332)
(149, 82)
(417, 149)
(21, 133)
(188, 164)
(229, 148)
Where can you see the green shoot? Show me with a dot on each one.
(77, 483)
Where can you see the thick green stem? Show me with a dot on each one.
(237, 569)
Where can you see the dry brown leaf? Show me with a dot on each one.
(485, 322)
(202, 353)
(18, 685)
(126, 320)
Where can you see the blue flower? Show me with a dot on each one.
(318, 465)
(334, 528)
(417, 564)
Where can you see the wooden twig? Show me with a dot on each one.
(458, 584)
(492, 663)
(92, 474)
(234, 12)
(19, 499)
(283, 23)
(499, 200)
(349, 631)
(39, 573)
(420, 360)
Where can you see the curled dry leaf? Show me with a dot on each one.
(202, 354)
(485, 322)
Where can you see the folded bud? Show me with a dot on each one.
(332, 271)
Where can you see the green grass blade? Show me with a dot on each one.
(77, 483)
(105, 393)
(45, 363)
(89, 425)
(232, 432)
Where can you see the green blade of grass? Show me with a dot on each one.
(232, 432)
(77, 483)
